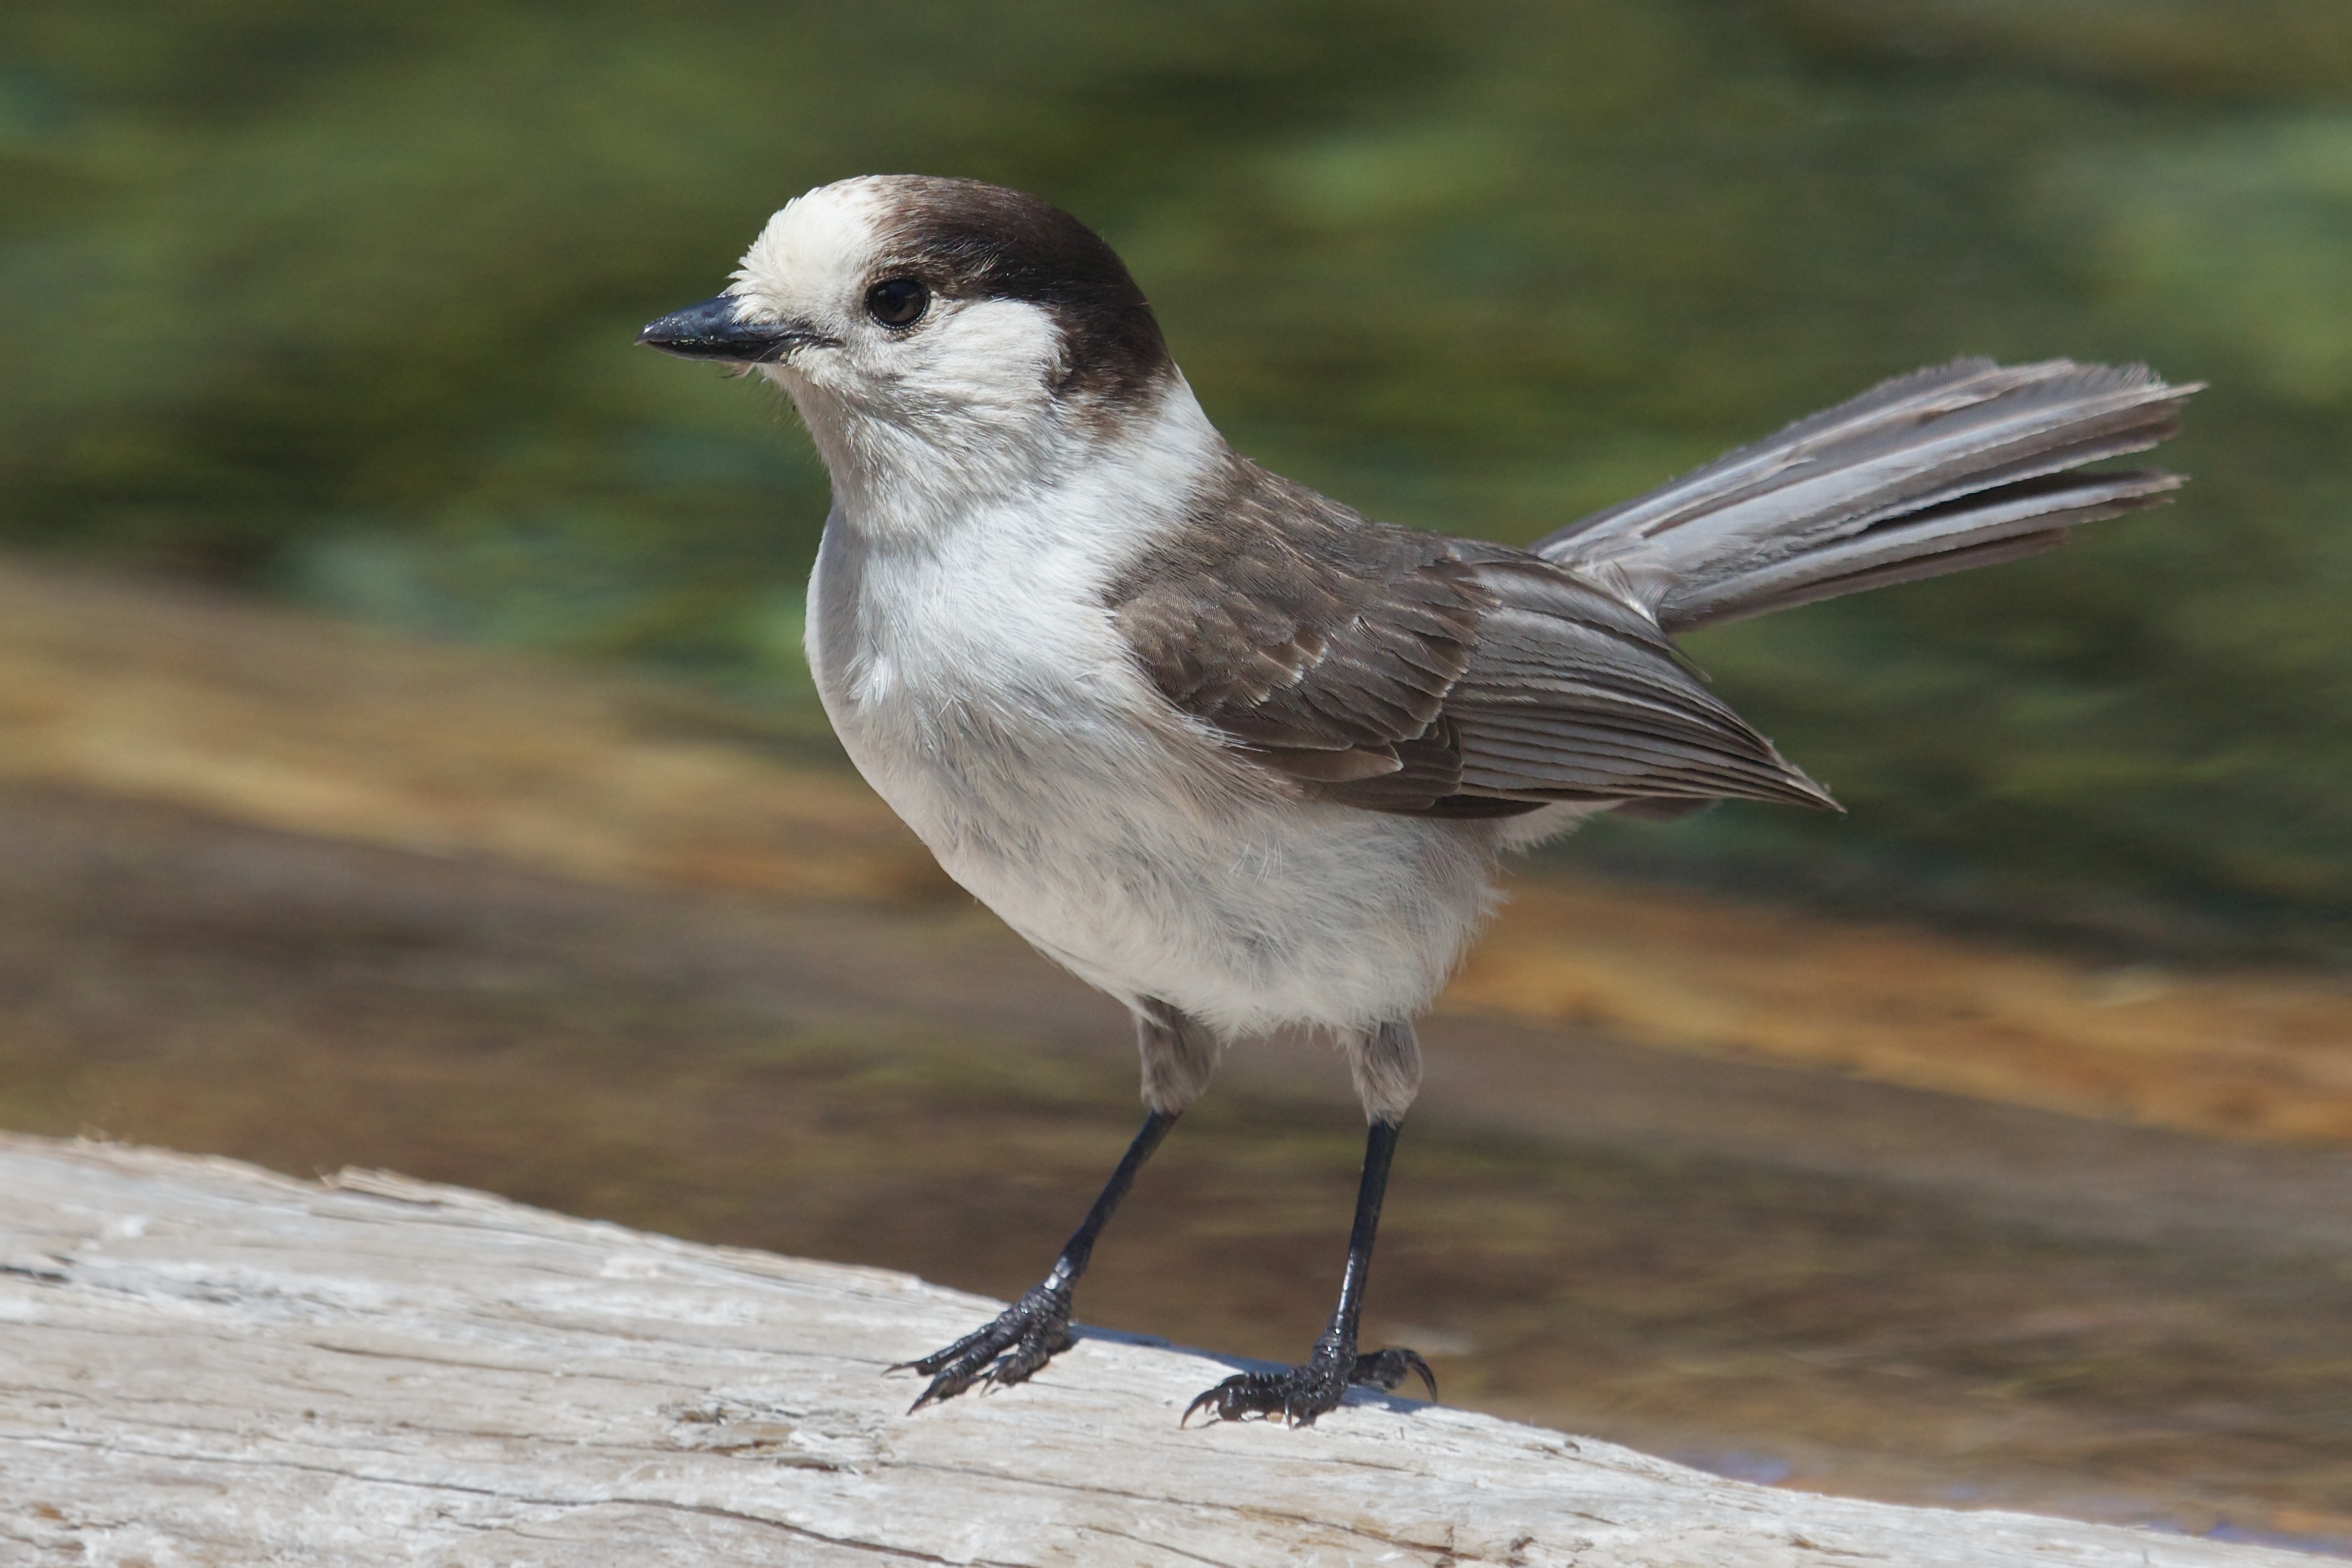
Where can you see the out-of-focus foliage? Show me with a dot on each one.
(340, 299)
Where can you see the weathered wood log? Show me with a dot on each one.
(205, 1362)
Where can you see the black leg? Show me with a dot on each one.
(1036, 1328)
(1299, 1393)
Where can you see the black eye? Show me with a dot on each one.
(898, 302)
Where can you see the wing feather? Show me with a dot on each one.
(1395, 671)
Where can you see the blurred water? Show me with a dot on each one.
(342, 301)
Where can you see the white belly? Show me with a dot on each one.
(1017, 737)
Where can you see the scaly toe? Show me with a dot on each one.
(1039, 1345)
(1009, 1349)
(1300, 1394)
(1296, 1394)
(1244, 1394)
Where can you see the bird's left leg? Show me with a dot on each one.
(1387, 1067)
(1179, 1055)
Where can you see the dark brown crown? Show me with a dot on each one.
(968, 240)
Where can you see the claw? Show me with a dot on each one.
(1252, 1394)
(1009, 1349)
(1300, 1394)
(1387, 1369)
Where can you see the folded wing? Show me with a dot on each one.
(1395, 671)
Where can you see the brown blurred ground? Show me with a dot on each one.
(314, 727)
(2051, 1235)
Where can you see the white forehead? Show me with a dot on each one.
(818, 246)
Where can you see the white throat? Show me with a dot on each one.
(913, 472)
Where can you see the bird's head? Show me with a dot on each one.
(914, 319)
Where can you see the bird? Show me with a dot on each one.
(1230, 751)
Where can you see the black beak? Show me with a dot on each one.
(711, 330)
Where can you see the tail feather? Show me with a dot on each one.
(1940, 471)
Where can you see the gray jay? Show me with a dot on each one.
(1232, 752)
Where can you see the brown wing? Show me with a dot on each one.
(1396, 670)
(1571, 694)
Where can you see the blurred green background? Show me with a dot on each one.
(337, 302)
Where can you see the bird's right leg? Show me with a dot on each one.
(1179, 1055)
(1386, 1063)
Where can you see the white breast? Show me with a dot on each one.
(977, 680)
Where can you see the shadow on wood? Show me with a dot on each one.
(211, 1363)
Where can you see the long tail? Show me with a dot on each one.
(1958, 466)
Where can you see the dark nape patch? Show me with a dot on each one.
(968, 240)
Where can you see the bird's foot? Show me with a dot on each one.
(1299, 1393)
(1023, 1338)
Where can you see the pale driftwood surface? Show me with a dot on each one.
(206, 1362)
